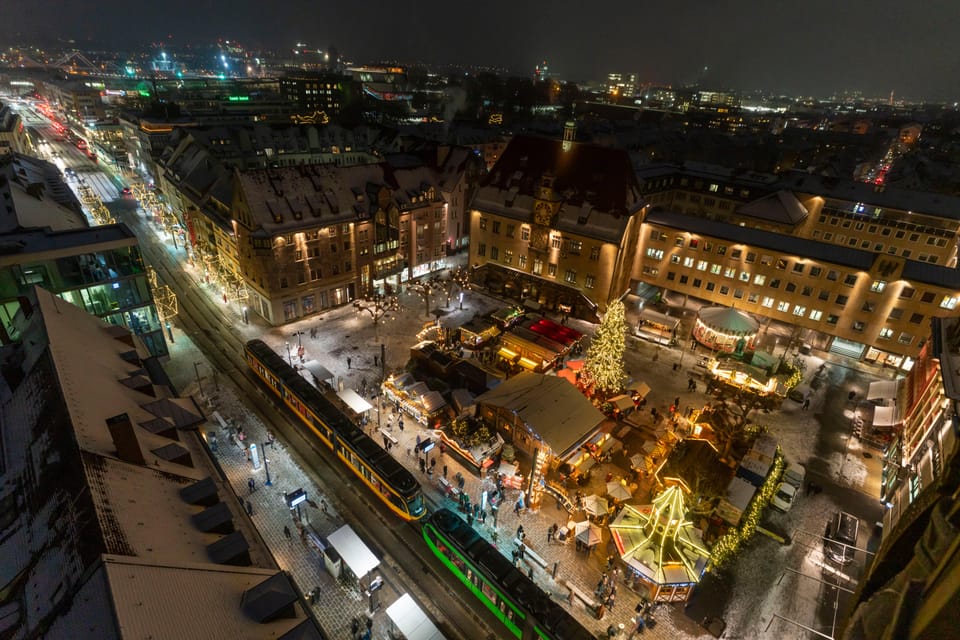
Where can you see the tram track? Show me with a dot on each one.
(404, 554)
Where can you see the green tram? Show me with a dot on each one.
(524, 608)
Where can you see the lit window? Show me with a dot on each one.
(524, 233)
(588, 282)
(783, 306)
(744, 276)
(688, 262)
(816, 314)
(522, 262)
(905, 338)
(570, 276)
(886, 333)
(799, 311)
(730, 272)
(948, 302)
(537, 266)
(702, 265)
(715, 269)
(657, 254)
(767, 302)
(555, 242)
(507, 256)
(759, 279)
(552, 270)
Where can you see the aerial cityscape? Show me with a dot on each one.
(516, 323)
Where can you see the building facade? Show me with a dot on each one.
(556, 223)
(855, 270)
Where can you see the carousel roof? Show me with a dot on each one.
(728, 320)
(659, 542)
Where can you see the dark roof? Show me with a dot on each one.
(215, 518)
(600, 176)
(269, 599)
(200, 492)
(232, 549)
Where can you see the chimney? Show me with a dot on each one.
(124, 439)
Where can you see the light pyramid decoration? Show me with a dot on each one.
(660, 544)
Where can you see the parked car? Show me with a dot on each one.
(794, 475)
(782, 500)
(841, 537)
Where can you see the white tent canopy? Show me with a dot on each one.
(885, 417)
(883, 390)
(411, 621)
(318, 371)
(354, 553)
(354, 401)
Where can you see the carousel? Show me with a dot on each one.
(725, 329)
(663, 551)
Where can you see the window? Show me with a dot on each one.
(905, 338)
(678, 242)
(537, 266)
(781, 263)
(574, 247)
(730, 272)
(928, 297)
(833, 275)
(799, 310)
(806, 291)
(702, 265)
(878, 286)
(715, 269)
(525, 233)
(815, 272)
(675, 258)
(555, 242)
(650, 271)
(494, 253)
(948, 302)
(895, 314)
(751, 257)
(841, 300)
(483, 224)
(736, 253)
(766, 260)
(744, 276)
(299, 255)
(738, 294)
(656, 254)
(507, 256)
(711, 286)
(283, 283)
(721, 250)
(697, 282)
(858, 326)
(759, 279)
(511, 229)
(850, 280)
(816, 314)
(684, 279)
(496, 226)
(790, 288)
(823, 295)
(570, 276)
(688, 262)
(916, 318)
(522, 262)
(775, 283)
(886, 333)
(783, 306)
(753, 298)
(798, 267)
(588, 282)
(301, 277)
(869, 307)
(832, 319)
(767, 302)
(907, 292)
(552, 270)
(671, 275)
(482, 249)
(595, 253)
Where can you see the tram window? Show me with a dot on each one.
(491, 594)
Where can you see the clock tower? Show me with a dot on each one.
(545, 206)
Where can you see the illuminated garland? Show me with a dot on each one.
(730, 543)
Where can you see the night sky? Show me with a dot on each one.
(814, 47)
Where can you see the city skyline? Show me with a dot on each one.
(813, 49)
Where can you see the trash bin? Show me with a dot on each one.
(332, 561)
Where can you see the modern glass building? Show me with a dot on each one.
(99, 269)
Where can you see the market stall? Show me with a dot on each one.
(415, 399)
(507, 317)
(725, 329)
(477, 332)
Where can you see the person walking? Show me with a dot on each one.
(520, 532)
(444, 471)
(286, 532)
(249, 508)
(252, 484)
(349, 363)
(549, 535)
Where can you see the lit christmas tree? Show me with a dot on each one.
(603, 365)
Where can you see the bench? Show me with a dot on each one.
(530, 553)
(587, 600)
(221, 421)
(389, 436)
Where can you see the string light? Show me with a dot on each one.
(603, 365)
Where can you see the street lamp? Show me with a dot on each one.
(266, 467)
(246, 320)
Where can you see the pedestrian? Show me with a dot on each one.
(384, 442)
(516, 508)
(286, 532)
(806, 403)
(252, 485)
(418, 441)
(610, 601)
(348, 362)
(522, 547)
(270, 438)
(549, 535)
(323, 506)
(246, 450)
(249, 508)
(375, 361)
(400, 423)
(520, 532)
(444, 471)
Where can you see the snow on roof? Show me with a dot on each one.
(191, 601)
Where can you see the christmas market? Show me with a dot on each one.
(416, 399)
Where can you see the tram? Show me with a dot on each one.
(523, 607)
(389, 480)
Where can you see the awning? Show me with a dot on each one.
(354, 553)
(883, 390)
(885, 417)
(354, 401)
(318, 371)
(623, 403)
(411, 621)
(642, 388)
